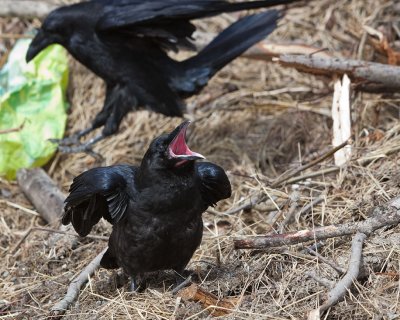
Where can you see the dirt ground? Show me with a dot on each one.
(257, 120)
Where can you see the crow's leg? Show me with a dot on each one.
(99, 121)
(111, 126)
(179, 277)
(83, 147)
(72, 139)
(86, 147)
(136, 283)
(182, 279)
(118, 103)
(133, 286)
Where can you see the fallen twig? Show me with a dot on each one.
(10, 130)
(30, 230)
(294, 203)
(340, 289)
(266, 50)
(246, 206)
(74, 287)
(325, 282)
(289, 216)
(18, 206)
(335, 267)
(377, 154)
(388, 215)
(303, 211)
(312, 175)
(369, 76)
(286, 176)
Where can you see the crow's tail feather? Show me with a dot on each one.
(229, 44)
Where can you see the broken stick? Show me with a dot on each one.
(383, 216)
(290, 174)
(340, 289)
(370, 76)
(75, 286)
(48, 199)
(11, 130)
(43, 193)
(30, 230)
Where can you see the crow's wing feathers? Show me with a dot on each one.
(215, 185)
(169, 36)
(167, 21)
(124, 13)
(96, 193)
(151, 19)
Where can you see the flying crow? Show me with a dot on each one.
(155, 209)
(125, 42)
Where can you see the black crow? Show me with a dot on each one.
(125, 42)
(155, 208)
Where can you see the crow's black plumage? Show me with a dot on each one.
(155, 208)
(125, 42)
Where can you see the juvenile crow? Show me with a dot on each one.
(125, 42)
(155, 208)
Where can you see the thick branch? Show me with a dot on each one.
(76, 284)
(370, 76)
(44, 194)
(388, 215)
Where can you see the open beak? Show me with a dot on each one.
(178, 148)
(39, 42)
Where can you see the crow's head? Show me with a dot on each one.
(58, 27)
(170, 151)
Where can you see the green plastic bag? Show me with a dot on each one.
(33, 98)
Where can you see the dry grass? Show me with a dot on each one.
(275, 120)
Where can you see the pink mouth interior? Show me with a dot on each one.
(178, 146)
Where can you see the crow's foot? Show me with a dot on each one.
(182, 280)
(72, 139)
(77, 147)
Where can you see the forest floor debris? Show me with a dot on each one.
(258, 120)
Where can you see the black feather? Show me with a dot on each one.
(215, 185)
(96, 193)
(124, 43)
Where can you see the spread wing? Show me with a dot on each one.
(167, 22)
(126, 13)
(215, 185)
(164, 22)
(99, 192)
